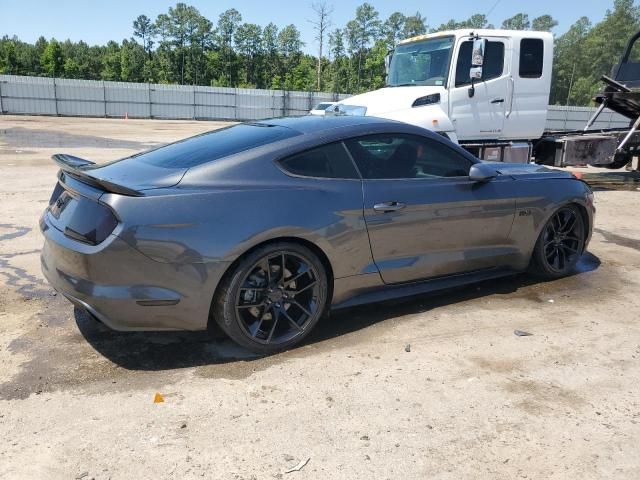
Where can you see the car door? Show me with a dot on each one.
(425, 218)
(482, 115)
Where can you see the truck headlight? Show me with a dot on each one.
(426, 100)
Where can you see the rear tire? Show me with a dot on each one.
(273, 298)
(560, 244)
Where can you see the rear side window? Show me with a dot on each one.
(328, 161)
(493, 66)
(531, 57)
(213, 145)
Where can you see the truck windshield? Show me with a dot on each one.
(421, 63)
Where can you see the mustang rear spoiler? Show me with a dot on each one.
(74, 166)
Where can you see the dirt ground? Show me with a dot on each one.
(430, 387)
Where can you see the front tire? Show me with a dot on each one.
(273, 298)
(560, 244)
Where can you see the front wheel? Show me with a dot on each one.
(560, 244)
(273, 298)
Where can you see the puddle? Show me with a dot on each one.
(27, 285)
(12, 152)
(22, 138)
(15, 231)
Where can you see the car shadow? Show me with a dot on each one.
(153, 351)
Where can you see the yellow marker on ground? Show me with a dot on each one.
(158, 398)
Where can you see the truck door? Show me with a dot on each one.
(482, 115)
(531, 68)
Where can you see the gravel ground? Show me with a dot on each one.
(436, 386)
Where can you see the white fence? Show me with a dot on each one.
(66, 97)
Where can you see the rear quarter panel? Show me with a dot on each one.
(539, 198)
(220, 224)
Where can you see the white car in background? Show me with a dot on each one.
(321, 108)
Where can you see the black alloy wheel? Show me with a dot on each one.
(560, 244)
(274, 298)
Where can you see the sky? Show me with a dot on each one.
(98, 22)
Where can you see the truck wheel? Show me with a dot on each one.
(559, 245)
(619, 160)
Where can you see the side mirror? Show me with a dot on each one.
(481, 172)
(477, 58)
(387, 61)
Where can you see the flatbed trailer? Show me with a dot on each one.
(610, 148)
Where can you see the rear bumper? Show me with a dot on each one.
(125, 289)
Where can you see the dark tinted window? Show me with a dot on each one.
(328, 161)
(406, 156)
(213, 145)
(493, 62)
(531, 57)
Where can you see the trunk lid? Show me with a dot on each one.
(126, 177)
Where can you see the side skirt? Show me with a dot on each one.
(389, 292)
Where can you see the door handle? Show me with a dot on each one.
(512, 85)
(386, 207)
(498, 100)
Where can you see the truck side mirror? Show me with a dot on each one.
(477, 60)
(387, 61)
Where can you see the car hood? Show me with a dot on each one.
(390, 99)
(521, 170)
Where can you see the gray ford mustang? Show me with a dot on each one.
(262, 227)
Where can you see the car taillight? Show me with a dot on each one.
(56, 193)
(91, 222)
(80, 218)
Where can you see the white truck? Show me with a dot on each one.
(487, 90)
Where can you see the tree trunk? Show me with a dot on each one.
(320, 63)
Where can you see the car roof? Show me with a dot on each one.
(317, 123)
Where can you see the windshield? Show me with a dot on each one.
(421, 63)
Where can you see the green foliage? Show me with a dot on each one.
(144, 29)
(248, 39)
(182, 46)
(544, 23)
(520, 21)
(474, 21)
(414, 25)
(52, 60)
(8, 57)
(584, 53)
(393, 29)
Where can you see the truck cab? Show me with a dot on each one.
(488, 90)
